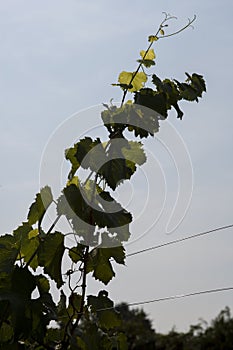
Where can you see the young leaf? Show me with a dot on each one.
(150, 55)
(161, 31)
(152, 38)
(138, 81)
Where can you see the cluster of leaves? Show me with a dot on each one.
(31, 257)
(166, 93)
(25, 318)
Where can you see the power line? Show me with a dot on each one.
(200, 234)
(173, 297)
(180, 296)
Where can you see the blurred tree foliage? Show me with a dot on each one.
(140, 334)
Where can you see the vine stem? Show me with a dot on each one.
(150, 45)
(84, 286)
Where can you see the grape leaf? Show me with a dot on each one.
(101, 261)
(50, 255)
(116, 170)
(76, 206)
(150, 55)
(77, 253)
(138, 80)
(28, 241)
(152, 99)
(42, 284)
(107, 319)
(147, 63)
(9, 253)
(90, 154)
(152, 38)
(70, 155)
(40, 205)
(134, 152)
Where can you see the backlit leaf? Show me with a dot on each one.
(39, 206)
(70, 155)
(28, 241)
(152, 38)
(134, 152)
(138, 81)
(150, 55)
(101, 261)
(147, 63)
(50, 256)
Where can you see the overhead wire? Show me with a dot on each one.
(179, 240)
(173, 297)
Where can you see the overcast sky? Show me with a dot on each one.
(59, 58)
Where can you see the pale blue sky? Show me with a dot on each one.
(60, 57)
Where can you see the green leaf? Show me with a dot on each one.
(147, 63)
(149, 55)
(115, 171)
(88, 153)
(50, 256)
(75, 205)
(75, 301)
(101, 261)
(18, 295)
(197, 81)
(42, 284)
(40, 205)
(9, 253)
(6, 333)
(154, 100)
(77, 253)
(138, 81)
(134, 152)
(23, 282)
(194, 89)
(122, 343)
(28, 241)
(107, 319)
(161, 31)
(102, 267)
(70, 155)
(152, 38)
